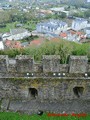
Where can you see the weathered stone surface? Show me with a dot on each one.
(24, 63)
(64, 68)
(78, 64)
(4, 62)
(5, 104)
(45, 89)
(76, 106)
(48, 86)
(51, 63)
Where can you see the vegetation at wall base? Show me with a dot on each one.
(18, 116)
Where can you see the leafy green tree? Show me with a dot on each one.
(63, 15)
(4, 17)
(87, 13)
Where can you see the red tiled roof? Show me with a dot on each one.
(17, 45)
(36, 42)
(8, 42)
(79, 33)
(63, 35)
(13, 44)
(75, 32)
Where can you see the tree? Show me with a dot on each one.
(4, 17)
(63, 15)
(87, 13)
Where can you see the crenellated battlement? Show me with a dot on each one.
(49, 63)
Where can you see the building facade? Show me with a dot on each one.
(79, 24)
(52, 26)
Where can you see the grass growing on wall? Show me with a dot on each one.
(17, 116)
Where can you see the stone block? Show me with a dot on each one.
(51, 63)
(24, 63)
(78, 64)
(4, 63)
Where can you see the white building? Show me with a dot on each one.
(79, 23)
(16, 34)
(52, 27)
(57, 9)
(60, 10)
(87, 30)
(1, 44)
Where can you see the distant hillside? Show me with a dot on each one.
(77, 2)
(74, 2)
(2, 1)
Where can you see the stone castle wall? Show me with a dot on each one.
(24, 64)
(22, 79)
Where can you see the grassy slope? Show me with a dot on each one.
(17, 116)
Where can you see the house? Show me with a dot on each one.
(6, 36)
(79, 23)
(59, 10)
(72, 35)
(87, 31)
(20, 33)
(63, 35)
(1, 43)
(12, 44)
(16, 34)
(52, 27)
(50, 36)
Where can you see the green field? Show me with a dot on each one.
(17, 116)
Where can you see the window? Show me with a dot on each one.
(33, 93)
(78, 91)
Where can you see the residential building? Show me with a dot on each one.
(1, 43)
(20, 33)
(87, 30)
(79, 23)
(72, 35)
(16, 34)
(52, 27)
(6, 36)
(60, 10)
(57, 9)
(12, 44)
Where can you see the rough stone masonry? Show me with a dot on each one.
(27, 86)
